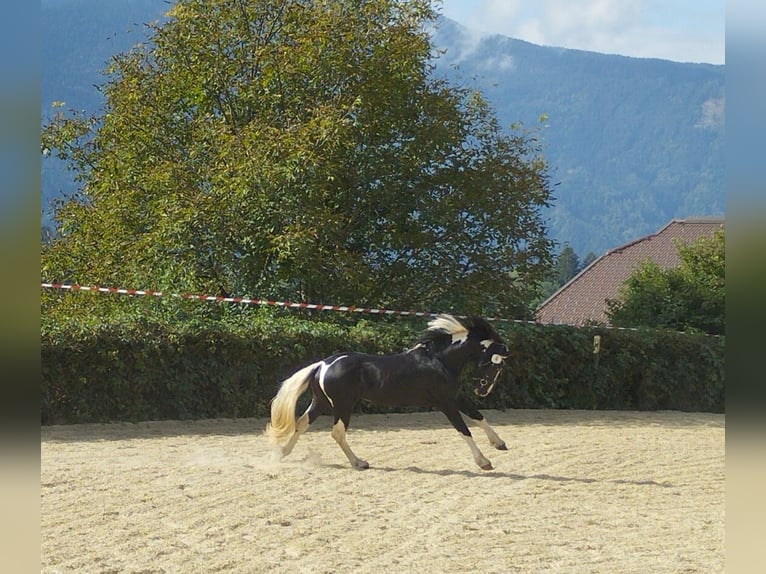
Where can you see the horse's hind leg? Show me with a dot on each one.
(469, 409)
(303, 422)
(339, 434)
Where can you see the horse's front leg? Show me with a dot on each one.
(467, 407)
(453, 414)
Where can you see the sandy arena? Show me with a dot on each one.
(577, 492)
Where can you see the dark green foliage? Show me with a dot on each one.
(136, 369)
(690, 297)
(150, 370)
(556, 367)
(302, 151)
(566, 265)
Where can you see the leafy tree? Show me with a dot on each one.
(300, 149)
(587, 260)
(567, 266)
(690, 297)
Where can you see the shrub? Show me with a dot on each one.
(135, 369)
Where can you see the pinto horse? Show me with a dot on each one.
(425, 376)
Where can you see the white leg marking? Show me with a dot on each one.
(324, 367)
(339, 434)
(480, 459)
(494, 440)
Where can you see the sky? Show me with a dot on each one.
(678, 30)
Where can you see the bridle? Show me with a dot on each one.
(485, 386)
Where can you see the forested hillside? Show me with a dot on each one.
(631, 143)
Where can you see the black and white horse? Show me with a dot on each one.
(424, 376)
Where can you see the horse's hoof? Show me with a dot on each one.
(362, 465)
(501, 446)
(487, 466)
(277, 455)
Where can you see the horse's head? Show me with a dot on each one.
(480, 342)
(490, 365)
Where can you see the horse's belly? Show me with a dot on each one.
(397, 395)
(391, 401)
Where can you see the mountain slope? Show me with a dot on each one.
(632, 143)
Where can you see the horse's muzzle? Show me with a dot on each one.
(485, 384)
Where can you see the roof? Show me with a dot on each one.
(583, 299)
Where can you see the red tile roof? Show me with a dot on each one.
(583, 299)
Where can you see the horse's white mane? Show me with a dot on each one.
(451, 325)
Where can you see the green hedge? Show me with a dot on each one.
(556, 367)
(141, 370)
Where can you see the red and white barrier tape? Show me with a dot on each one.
(241, 300)
(290, 305)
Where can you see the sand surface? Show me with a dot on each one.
(577, 491)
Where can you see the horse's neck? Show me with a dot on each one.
(455, 358)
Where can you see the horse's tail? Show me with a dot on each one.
(282, 424)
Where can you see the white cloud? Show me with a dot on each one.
(503, 63)
(682, 30)
(531, 31)
(502, 9)
(464, 44)
(547, 20)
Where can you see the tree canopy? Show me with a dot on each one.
(690, 297)
(300, 149)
